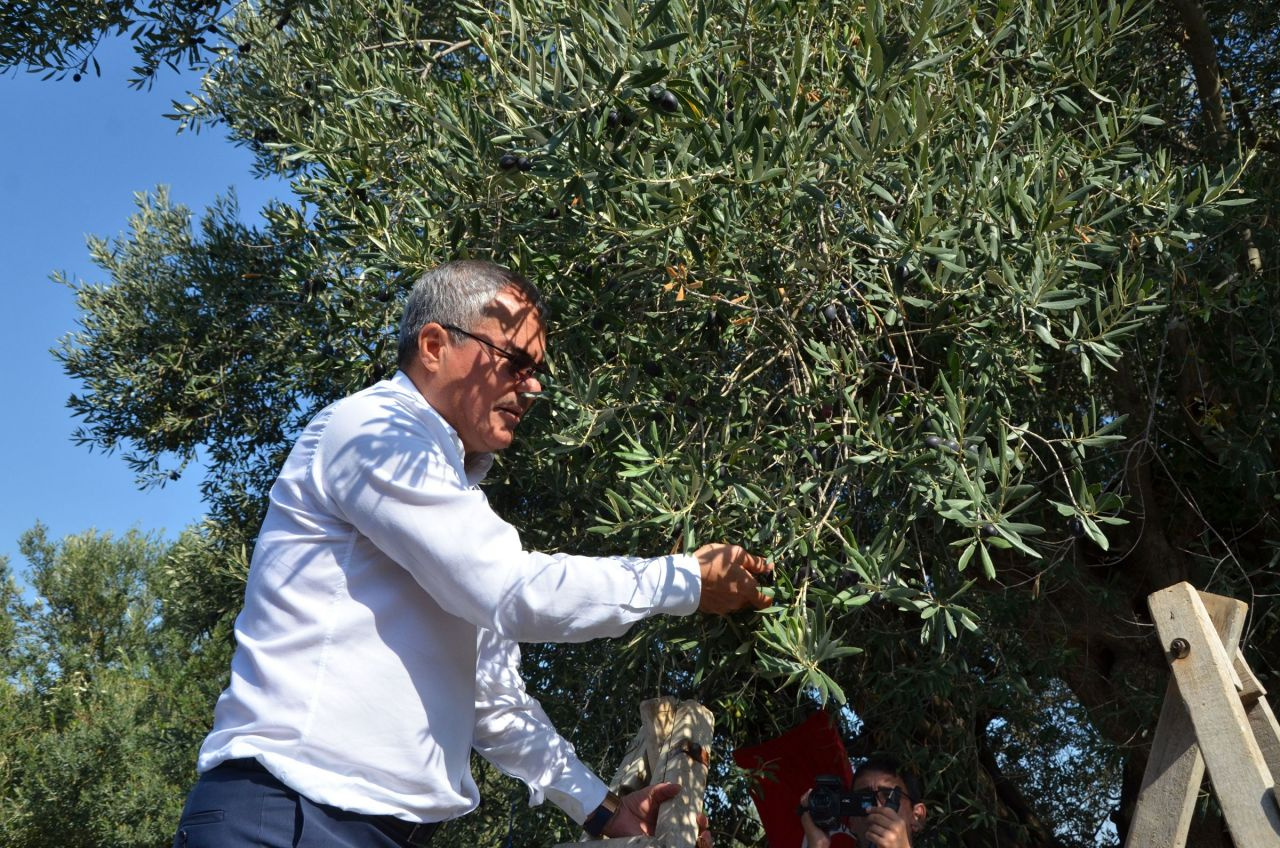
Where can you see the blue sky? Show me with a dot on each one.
(71, 158)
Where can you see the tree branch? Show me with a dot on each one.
(1041, 835)
(1197, 39)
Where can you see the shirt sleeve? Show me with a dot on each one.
(514, 734)
(393, 475)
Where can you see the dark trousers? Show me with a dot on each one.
(240, 804)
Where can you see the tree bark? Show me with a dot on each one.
(1197, 39)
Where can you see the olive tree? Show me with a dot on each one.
(893, 293)
(105, 696)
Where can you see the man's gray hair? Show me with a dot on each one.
(457, 293)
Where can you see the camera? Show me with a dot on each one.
(830, 801)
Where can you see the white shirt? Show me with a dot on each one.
(376, 646)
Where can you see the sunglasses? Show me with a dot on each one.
(523, 367)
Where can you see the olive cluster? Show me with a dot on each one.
(511, 160)
(664, 99)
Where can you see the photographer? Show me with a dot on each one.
(883, 808)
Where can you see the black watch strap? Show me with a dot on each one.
(602, 815)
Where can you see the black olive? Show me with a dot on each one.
(525, 163)
(614, 118)
(508, 161)
(663, 99)
(653, 369)
(932, 441)
(831, 312)
(989, 530)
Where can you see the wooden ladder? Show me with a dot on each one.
(1215, 716)
(672, 746)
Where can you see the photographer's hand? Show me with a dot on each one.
(814, 836)
(885, 829)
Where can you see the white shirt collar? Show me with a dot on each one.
(475, 465)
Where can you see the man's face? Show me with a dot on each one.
(478, 390)
(878, 823)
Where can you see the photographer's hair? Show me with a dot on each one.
(890, 765)
(457, 293)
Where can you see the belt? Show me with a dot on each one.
(406, 833)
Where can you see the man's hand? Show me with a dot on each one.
(638, 814)
(886, 829)
(814, 836)
(728, 579)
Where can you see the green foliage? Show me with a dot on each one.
(58, 39)
(103, 702)
(936, 304)
(196, 363)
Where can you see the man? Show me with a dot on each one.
(898, 812)
(377, 644)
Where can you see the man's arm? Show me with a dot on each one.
(400, 485)
(514, 734)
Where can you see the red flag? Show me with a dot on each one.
(785, 768)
